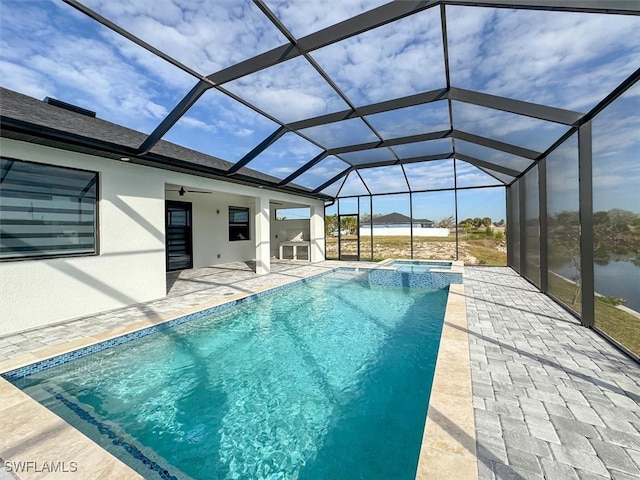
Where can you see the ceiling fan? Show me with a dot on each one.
(182, 191)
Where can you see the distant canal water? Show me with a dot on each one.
(615, 279)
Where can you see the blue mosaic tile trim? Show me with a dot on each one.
(27, 370)
(98, 347)
(104, 429)
(432, 280)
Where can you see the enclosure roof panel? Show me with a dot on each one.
(270, 91)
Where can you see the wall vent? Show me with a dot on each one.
(68, 106)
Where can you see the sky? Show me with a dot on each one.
(565, 60)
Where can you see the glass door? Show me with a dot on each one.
(348, 237)
(179, 236)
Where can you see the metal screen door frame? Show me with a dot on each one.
(346, 241)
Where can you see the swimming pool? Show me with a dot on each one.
(327, 379)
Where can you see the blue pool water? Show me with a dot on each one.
(326, 379)
(418, 266)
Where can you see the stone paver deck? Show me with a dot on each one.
(552, 399)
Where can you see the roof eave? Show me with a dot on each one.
(33, 133)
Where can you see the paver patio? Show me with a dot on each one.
(551, 398)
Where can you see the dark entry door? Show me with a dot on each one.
(348, 237)
(179, 236)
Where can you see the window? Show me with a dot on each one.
(238, 224)
(46, 211)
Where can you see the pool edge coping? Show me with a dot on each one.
(449, 436)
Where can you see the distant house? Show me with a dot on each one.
(398, 220)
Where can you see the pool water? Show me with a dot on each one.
(327, 379)
(414, 268)
(418, 266)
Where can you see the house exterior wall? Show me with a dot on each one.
(131, 265)
(210, 228)
(283, 230)
(316, 228)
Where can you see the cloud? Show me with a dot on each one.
(508, 127)
(352, 186)
(51, 50)
(290, 91)
(569, 60)
(385, 179)
(398, 59)
(347, 132)
(429, 117)
(284, 156)
(493, 156)
(564, 59)
(320, 173)
(430, 175)
(302, 17)
(469, 176)
(23, 79)
(188, 121)
(205, 35)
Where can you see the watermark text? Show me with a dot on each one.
(33, 466)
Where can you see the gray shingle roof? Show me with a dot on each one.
(36, 113)
(396, 218)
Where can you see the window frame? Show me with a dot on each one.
(239, 224)
(96, 217)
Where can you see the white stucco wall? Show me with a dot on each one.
(130, 267)
(405, 231)
(210, 228)
(283, 230)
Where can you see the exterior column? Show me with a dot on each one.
(585, 172)
(316, 232)
(262, 235)
(544, 247)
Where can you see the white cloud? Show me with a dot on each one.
(570, 60)
(430, 175)
(22, 79)
(321, 172)
(52, 50)
(302, 17)
(281, 172)
(385, 179)
(290, 91)
(469, 176)
(205, 35)
(510, 128)
(562, 59)
(192, 122)
(339, 134)
(352, 186)
(399, 59)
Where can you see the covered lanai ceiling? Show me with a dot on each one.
(340, 98)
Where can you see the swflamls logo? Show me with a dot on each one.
(26, 466)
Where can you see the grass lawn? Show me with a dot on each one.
(620, 325)
(473, 249)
